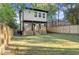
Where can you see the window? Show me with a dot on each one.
(39, 14)
(43, 15)
(35, 14)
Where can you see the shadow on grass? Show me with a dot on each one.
(58, 36)
(49, 38)
(39, 50)
(70, 37)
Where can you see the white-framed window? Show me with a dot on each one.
(39, 14)
(35, 14)
(43, 15)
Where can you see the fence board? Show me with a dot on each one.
(64, 29)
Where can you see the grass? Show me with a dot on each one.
(50, 44)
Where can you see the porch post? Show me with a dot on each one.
(33, 26)
(46, 26)
(39, 28)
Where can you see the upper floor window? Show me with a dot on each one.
(39, 14)
(35, 14)
(43, 15)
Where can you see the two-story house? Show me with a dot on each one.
(33, 21)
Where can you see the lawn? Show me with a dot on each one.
(50, 44)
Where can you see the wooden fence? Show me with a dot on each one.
(64, 29)
(5, 36)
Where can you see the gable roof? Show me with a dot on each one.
(36, 10)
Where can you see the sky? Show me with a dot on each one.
(61, 15)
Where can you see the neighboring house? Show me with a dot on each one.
(33, 21)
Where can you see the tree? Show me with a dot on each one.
(72, 12)
(51, 8)
(7, 15)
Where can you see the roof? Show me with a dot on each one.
(36, 10)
